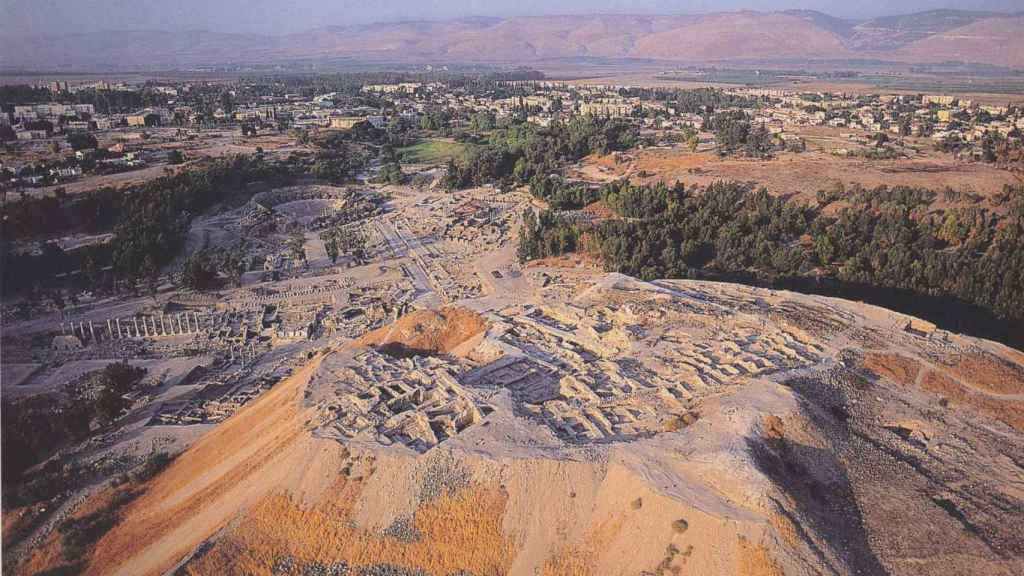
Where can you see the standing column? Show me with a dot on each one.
(145, 327)
(163, 326)
(188, 329)
(178, 318)
(153, 320)
(110, 331)
(92, 331)
(195, 318)
(63, 330)
(81, 328)
(119, 328)
(135, 322)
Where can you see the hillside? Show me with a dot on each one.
(996, 41)
(622, 427)
(740, 35)
(935, 36)
(893, 32)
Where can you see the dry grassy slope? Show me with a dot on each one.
(804, 173)
(521, 516)
(262, 447)
(997, 41)
(991, 385)
(741, 35)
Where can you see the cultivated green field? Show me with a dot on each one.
(432, 151)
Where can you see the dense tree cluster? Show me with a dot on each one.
(546, 234)
(708, 100)
(734, 134)
(12, 95)
(1007, 151)
(82, 141)
(694, 101)
(891, 238)
(391, 173)
(200, 271)
(114, 382)
(104, 101)
(156, 216)
(344, 241)
(35, 427)
(524, 152)
(562, 195)
(148, 221)
(340, 156)
(340, 141)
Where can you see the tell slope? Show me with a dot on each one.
(670, 426)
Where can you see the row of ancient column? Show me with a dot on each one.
(136, 327)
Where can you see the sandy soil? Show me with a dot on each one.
(789, 473)
(233, 466)
(979, 381)
(432, 332)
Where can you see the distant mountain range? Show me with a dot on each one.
(924, 37)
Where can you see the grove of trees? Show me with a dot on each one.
(735, 134)
(524, 152)
(964, 259)
(148, 221)
(344, 240)
(35, 427)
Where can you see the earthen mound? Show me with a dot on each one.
(426, 332)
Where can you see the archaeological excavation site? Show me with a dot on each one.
(439, 322)
(431, 406)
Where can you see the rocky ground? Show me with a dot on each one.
(631, 428)
(557, 420)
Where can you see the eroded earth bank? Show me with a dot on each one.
(604, 425)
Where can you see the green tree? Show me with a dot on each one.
(200, 272)
(331, 246)
(82, 141)
(110, 404)
(297, 245)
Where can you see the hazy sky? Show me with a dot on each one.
(281, 16)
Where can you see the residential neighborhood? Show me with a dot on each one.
(68, 132)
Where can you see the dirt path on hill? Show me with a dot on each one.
(260, 448)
